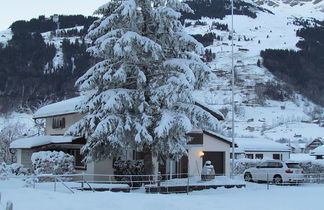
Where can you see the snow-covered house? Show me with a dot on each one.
(61, 115)
(58, 118)
(318, 152)
(313, 144)
(260, 148)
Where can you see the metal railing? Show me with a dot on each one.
(158, 183)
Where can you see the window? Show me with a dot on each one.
(58, 123)
(275, 165)
(77, 158)
(293, 165)
(276, 156)
(263, 165)
(258, 156)
(249, 156)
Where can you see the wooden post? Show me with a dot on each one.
(55, 184)
(188, 184)
(9, 205)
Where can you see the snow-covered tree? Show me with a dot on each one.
(7, 135)
(140, 95)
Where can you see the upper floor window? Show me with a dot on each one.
(249, 156)
(58, 123)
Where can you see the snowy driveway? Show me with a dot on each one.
(253, 197)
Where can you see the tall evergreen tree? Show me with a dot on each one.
(140, 95)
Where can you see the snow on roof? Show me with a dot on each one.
(59, 108)
(318, 151)
(259, 144)
(35, 141)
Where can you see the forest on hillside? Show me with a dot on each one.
(303, 69)
(220, 8)
(26, 64)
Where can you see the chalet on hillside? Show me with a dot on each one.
(313, 144)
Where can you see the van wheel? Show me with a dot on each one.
(248, 177)
(277, 179)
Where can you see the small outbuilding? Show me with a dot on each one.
(207, 145)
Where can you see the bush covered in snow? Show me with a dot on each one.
(13, 169)
(311, 167)
(47, 162)
(129, 167)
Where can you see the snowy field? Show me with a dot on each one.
(253, 197)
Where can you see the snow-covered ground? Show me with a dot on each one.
(254, 196)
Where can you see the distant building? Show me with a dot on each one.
(313, 144)
(318, 152)
(260, 148)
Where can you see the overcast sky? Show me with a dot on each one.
(12, 10)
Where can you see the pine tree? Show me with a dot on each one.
(140, 95)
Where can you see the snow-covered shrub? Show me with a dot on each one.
(129, 167)
(47, 162)
(13, 169)
(241, 164)
(30, 181)
(3, 171)
(311, 167)
(18, 169)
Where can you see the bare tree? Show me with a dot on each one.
(7, 135)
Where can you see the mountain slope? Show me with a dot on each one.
(265, 105)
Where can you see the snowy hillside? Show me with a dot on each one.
(273, 119)
(290, 119)
(5, 36)
(56, 39)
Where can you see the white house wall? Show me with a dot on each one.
(213, 145)
(24, 157)
(69, 120)
(100, 167)
(194, 160)
(269, 155)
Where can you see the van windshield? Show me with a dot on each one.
(293, 165)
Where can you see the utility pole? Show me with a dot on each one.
(233, 76)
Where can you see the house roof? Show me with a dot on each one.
(60, 108)
(69, 107)
(259, 144)
(318, 151)
(211, 133)
(36, 141)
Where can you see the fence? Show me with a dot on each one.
(102, 182)
(285, 179)
(159, 183)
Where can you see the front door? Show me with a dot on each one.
(218, 161)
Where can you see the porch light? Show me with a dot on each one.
(201, 154)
